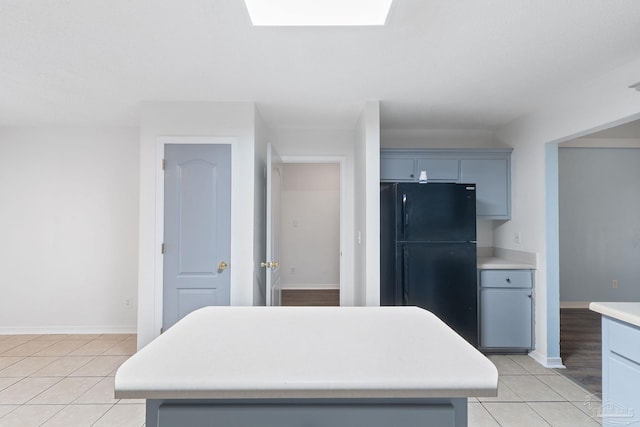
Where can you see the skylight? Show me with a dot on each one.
(318, 12)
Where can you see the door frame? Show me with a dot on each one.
(159, 214)
(346, 256)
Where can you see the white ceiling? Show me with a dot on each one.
(474, 64)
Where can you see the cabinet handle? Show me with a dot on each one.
(508, 280)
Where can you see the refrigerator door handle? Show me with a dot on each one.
(405, 215)
(405, 275)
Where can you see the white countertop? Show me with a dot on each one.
(495, 263)
(307, 352)
(625, 311)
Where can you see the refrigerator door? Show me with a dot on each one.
(436, 212)
(387, 245)
(441, 278)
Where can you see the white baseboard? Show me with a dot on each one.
(574, 304)
(547, 362)
(67, 330)
(294, 286)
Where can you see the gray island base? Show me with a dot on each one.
(315, 367)
(308, 413)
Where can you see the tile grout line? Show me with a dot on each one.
(105, 413)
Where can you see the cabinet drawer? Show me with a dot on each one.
(506, 278)
(624, 340)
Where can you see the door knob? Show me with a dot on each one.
(269, 264)
(222, 266)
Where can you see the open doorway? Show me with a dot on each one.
(599, 240)
(310, 233)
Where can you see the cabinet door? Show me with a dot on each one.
(397, 169)
(505, 318)
(442, 170)
(492, 179)
(620, 396)
(620, 372)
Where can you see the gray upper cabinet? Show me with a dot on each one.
(397, 169)
(489, 169)
(492, 185)
(442, 170)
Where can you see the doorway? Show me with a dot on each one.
(598, 239)
(311, 233)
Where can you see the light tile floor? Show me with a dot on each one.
(67, 380)
(531, 395)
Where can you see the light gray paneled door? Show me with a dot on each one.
(197, 228)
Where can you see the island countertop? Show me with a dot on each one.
(628, 312)
(307, 352)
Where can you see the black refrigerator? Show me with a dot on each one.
(428, 251)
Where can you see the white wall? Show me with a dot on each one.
(232, 120)
(579, 110)
(367, 214)
(310, 225)
(69, 227)
(439, 138)
(599, 224)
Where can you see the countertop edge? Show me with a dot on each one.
(307, 394)
(628, 312)
(495, 263)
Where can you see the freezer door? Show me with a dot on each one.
(441, 278)
(436, 212)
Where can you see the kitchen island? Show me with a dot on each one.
(620, 362)
(320, 366)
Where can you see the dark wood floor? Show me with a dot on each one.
(581, 347)
(311, 297)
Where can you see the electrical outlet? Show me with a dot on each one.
(614, 284)
(516, 237)
(128, 303)
(292, 270)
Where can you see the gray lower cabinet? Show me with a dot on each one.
(490, 170)
(620, 373)
(506, 310)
